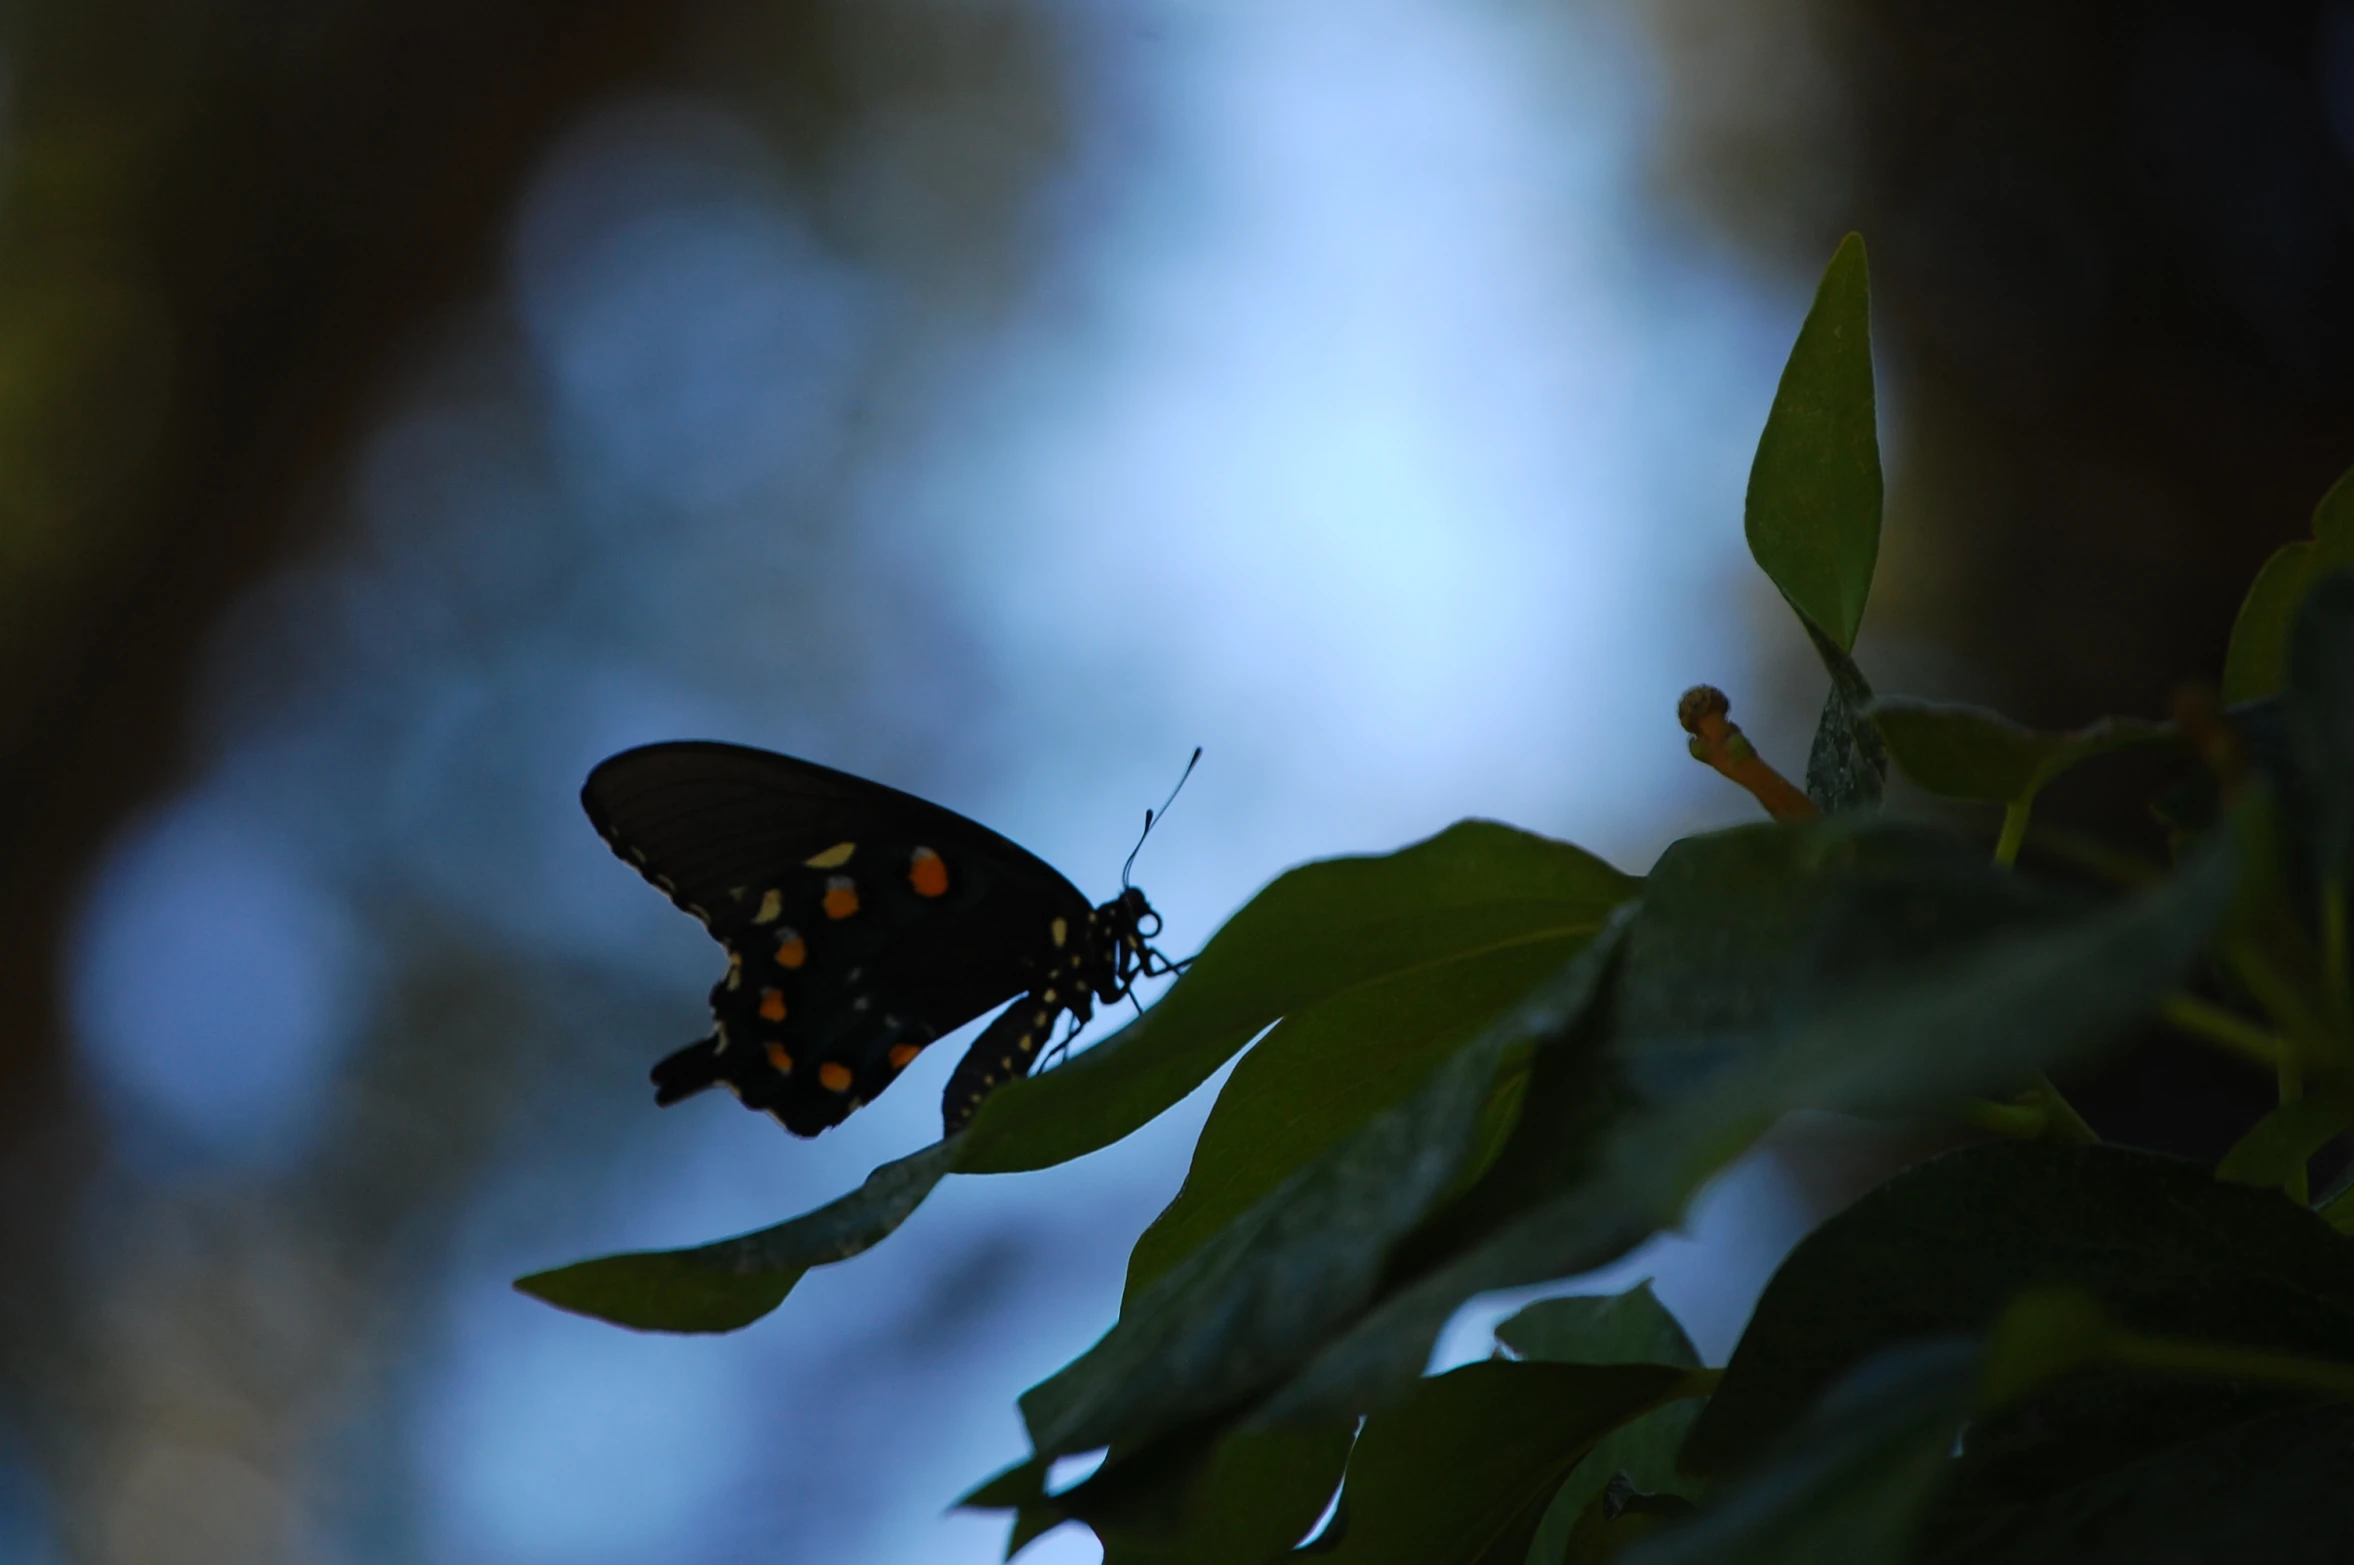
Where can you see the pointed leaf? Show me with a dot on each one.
(1315, 932)
(1618, 1328)
(1020, 1489)
(724, 1286)
(2258, 662)
(1967, 752)
(1233, 1500)
(1813, 514)
(1462, 1469)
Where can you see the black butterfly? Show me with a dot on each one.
(860, 923)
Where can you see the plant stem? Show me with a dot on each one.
(2199, 1358)
(2303, 1032)
(2056, 1116)
(2121, 869)
(2006, 846)
(2292, 1087)
(2015, 1121)
(2063, 1122)
(2333, 948)
(2217, 1025)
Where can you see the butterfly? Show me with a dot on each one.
(860, 924)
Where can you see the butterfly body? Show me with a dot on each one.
(861, 924)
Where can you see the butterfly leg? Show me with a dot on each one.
(1005, 1050)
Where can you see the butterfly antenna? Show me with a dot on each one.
(1153, 815)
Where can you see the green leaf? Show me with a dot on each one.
(1243, 1498)
(1462, 1469)
(1314, 933)
(1942, 1247)
(1851, 1482)
(1257, 1495)
(1020, 1489)
(2281, 1143)
(1625, 1328)
(1237, 1313)
(1022, 1484)
(1617, 1328)
(1967, 752)
(1729, 920)
(1323, 1072)
(1813, 513)
(724, 1286)
(1640, 1456)
(1846, 766)
(2258, 661)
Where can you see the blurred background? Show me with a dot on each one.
(404, 406)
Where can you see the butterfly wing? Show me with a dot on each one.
(861, 923)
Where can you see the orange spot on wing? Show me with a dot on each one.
(834, 1076)
(928, 874)
(841, 896)
(780, 1059)
(790, 951)
(904, 1053)
(772, 1005)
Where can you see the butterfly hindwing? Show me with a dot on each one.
(861, 923)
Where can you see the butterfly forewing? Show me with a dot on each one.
(861, 922)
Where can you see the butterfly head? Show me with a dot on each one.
(1124, 929)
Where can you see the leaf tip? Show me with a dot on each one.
(658, 1291)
